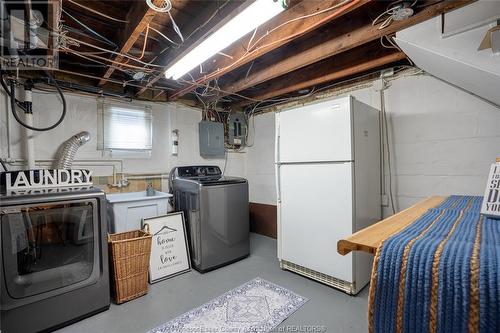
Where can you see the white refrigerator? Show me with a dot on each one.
(328, 187)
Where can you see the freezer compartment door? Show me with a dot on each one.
(315, 133)
(315, 212)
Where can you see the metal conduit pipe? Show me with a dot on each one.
(67, 151)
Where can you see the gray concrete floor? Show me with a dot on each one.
(327, 310)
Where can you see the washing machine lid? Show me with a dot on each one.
(205, 175)
(209, 181)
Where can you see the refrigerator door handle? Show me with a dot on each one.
(277, 157)
(278, 192)
(277, 139)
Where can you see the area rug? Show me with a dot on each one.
(256, 306)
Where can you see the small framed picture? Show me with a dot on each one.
(169, 246)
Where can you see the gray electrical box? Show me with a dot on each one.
(237, 129)
(211, 139)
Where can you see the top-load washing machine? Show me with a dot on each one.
(216, 212)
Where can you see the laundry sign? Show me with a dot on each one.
(491, 201)
(169, 247)
(38, 179)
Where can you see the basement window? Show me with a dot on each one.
(126, 131)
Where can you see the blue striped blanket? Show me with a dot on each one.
(439, 274)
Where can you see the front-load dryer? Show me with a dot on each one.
(54, 258)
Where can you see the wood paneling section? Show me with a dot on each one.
(263, 219)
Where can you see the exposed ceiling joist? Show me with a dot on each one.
(204, 24)
(330, 70)
(297, 21)
(336, 45)
(138, 17)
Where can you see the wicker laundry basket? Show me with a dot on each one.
(129, 263)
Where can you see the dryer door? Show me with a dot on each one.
(49, 247)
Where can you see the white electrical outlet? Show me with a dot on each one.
(385, 200)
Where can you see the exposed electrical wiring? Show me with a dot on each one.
(176, 28)
(104, 60)
(164, 36)
(201, 26)
(162, 7)
(393, 45)
(165, 6)
(82, 33)
(89, 29)
(225, 55)
(344, 5)
(112, 52)
(249, 69)
(385, 45)
(251, 38)
(392, 10)
(297, 19)
(385, 133)
(99, 62)
(154, 88)
(14, 102)
(413, 71)
(97, 12)
(145, 42)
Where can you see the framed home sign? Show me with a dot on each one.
(169, 247)
(491, 200)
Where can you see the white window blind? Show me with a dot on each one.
(126, 128)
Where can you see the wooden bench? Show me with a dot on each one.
(370, 238)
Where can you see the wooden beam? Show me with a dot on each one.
(53, 26)
(138, 17)
(336, 45)
(199, 28)
(279, 37)
(316, 74)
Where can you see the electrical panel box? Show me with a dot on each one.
(237, 129)
(211, 139)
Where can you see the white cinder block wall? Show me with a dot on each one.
(442, 141)
(82, 115)
(260, 169)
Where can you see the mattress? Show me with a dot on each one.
(439, 274)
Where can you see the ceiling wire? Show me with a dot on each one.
(300, 18)
(112, 52)
(145, 42)
(103, 60)
(164, 36)
(249, 52)
(208, 20)
(391, 10)
(97, 12)
(161, 88)
(89, 29)
(101, 63)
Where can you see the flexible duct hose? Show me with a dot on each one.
(68, 149)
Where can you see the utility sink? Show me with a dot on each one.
(126, 210)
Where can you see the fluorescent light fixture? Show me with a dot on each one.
(259, 12)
